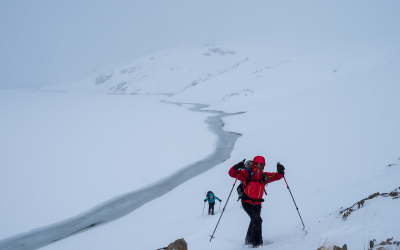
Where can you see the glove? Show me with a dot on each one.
(220, 200)
(280, 168)
(240, 165)
(205, 200)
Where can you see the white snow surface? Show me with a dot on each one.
(62, 154)
(327, 110)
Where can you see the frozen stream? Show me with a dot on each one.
(124, 204)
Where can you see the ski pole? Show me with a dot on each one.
(212, 236)
(219, 207)
(203, 209)
(295, 205)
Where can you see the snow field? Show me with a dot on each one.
(62, 154)
(328, 111)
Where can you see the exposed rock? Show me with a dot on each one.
(222, 52)
(373, 195)
(324, 247)
(338, 248)
(244, 92)
(360, 203)
(347, 214)
(373, 244)
(347, 211)
(179, 244)
(103, 78)
(120, 88)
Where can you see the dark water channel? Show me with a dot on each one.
(124, 204)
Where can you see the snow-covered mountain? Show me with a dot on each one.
(246, 67)
(327, 110)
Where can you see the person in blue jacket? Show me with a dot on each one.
(211, 202)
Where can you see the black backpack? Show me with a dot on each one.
(208, 193)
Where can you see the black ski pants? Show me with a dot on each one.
(211, 208)
(254, 233)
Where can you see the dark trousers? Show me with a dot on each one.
(254, 233)
(211, 208)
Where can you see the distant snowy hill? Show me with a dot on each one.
(168, 71)
(258, 68)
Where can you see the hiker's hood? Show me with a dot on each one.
(259, 159)
(257, 173)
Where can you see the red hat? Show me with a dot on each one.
(259, 159)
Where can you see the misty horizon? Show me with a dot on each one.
(46, 43)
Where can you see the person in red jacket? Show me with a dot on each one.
(254, 181)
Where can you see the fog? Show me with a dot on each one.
(48, 42)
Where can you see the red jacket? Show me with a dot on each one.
(255, 189)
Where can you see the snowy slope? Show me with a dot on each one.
(63, 154)
(326, 109)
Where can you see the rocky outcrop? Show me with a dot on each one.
(395, 194)
(334, 247)
(373, 244)
(179, 244)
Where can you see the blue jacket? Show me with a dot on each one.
(211, 198)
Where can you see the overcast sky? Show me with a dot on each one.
(49, 42)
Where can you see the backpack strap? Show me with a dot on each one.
(248, 178)
(245, 196)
